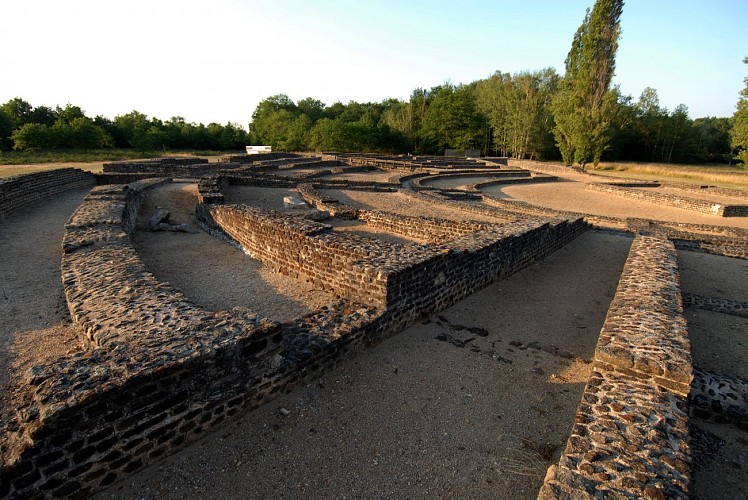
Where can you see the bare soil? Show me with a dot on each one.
(213, 273)
(35, 325)
(573, 196)
(439, 410)
(476, 402)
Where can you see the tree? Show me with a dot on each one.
(516, 108)
(18, 110)
(129, 125)
(584, 108)
(312, 108)
(43, 114)
(713, 139)
(451, 120)
(33, 137)
(6, 130)
(739, 132)
(271, 121)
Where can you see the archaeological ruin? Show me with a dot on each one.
(154, 371)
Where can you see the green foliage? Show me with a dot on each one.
(451, 120)
(585, 106)
(739, 132)
(518, 114)
(33, 137)
(6, 129)
(18, 110)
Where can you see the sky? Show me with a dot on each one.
(215, 60)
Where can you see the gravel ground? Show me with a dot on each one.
(720, 344)
(34, 320)
(573, 196)
(437, 411)
(213, 273)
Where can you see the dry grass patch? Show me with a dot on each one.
(732, 177)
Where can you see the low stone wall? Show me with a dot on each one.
(422, 182)
(719, 398)
(720, 240)
(122, 178)
(696, 205)
(169, 167)
(414, 278)
(536, 178)
(210, 189)
(304, 249)
(630, 438)
(262, 157)
(428, 229)
(22, 190)
(159, 370)
(548, 168)
(722, 306)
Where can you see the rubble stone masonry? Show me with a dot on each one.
(684, 202)
(630, 438)
(22, 190)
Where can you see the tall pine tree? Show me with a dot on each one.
(585, 106)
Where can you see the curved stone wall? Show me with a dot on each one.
(684, 202)
(22, 190)
(159, 371)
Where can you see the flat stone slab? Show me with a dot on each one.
(645, 334)
(630, 440)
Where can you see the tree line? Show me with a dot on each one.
(27, 128)
(504, 115)
(578, 117)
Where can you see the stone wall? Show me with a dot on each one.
(159, 370)
(548, 168)
(303, 249)
(684, 202)
(22, 190)
(169, 167)
(256, 158)
(630, 438)
(416, 278)
(428, 229)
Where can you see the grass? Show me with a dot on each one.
(20, 162)
(80, 156)
(717, 175)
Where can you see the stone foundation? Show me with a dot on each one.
(159, 371)
(630, 438)
(693, 204)
(23, 190)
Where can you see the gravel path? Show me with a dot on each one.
(34, 320)
(574, 197)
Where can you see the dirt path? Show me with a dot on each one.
(439, 410)
(720, 344)
(211, 272)
(574, 197)
(34, 319)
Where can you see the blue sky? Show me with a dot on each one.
(215, 60)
